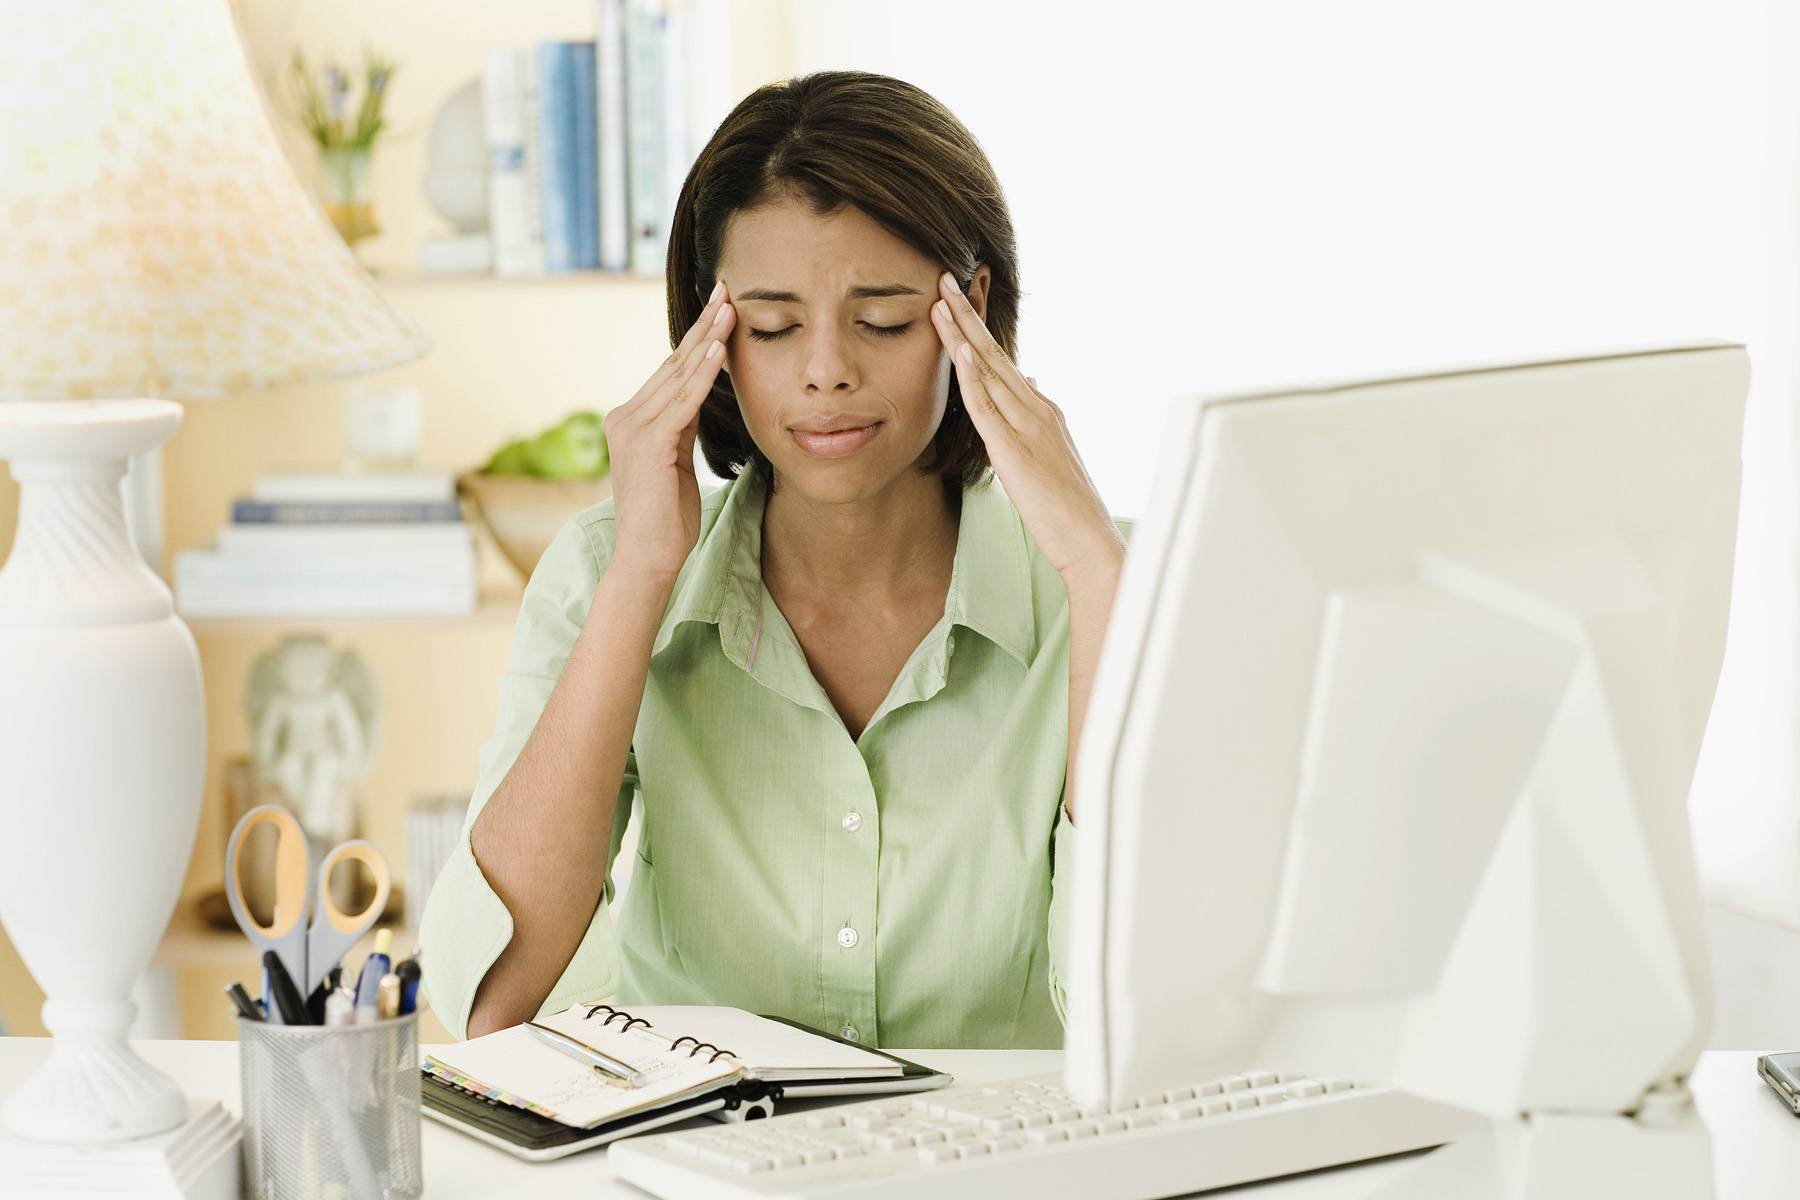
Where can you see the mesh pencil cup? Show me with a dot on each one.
(331, 1110)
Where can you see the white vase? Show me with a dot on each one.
(102, 750)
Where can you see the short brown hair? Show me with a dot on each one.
(835, 138)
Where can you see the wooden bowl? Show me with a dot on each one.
(524, 513)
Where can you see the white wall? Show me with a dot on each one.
(1218, 196)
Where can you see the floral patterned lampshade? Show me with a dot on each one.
(154, 240)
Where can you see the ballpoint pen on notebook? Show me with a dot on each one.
(608, 1067)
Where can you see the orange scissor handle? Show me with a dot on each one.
(376, 864)
(291, 871)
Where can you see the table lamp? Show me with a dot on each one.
(155, 247)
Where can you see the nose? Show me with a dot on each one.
(828, 365)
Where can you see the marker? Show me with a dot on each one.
(288, 1001)
(338, 1009)
(387, 996)
(368, 984)
(246, 1007)
(408, 971)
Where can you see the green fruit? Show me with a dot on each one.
(510, 459)
(575, 449)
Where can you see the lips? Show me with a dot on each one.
(834, 443)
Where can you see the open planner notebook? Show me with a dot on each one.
(511, 1086)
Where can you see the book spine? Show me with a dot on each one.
(534, 160)
(644, 114)
(707, 71)
(200, 592)
(503, 119)
(556, 145)
(365, 488)
(587, 158)
(273, 539)
(609, 96)
(675, 116)
(256, 512)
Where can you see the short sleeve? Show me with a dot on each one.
(466, 925)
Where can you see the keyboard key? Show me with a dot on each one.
(1185, 1112)
(868, 1120)
(1338, 1085)
(938, 1154)
(748, 1165)
(1234, 1083)
(1214, 1106)
(1261, 1078)
(1110, 1124)
(896, 1141)
(1065, 1112)
(825, 1121)
(1177, 1095)
(929, 1136)
(1005, 1145)
(1209, 1088)
(1242, 1100)
(1044, 1137)
(1035, 1118)
(1140, 1120)
(856, 1151)
(1305, 1088)
(789, 1158)
(1000, 1124)
(1083, 1129)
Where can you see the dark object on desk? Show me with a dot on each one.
(288, 1000)
(241, 999)
(214, 909)
(537, 1138)
(408, 971)
(1782, 1072)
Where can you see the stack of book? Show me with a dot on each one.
(589, 142)
(321, 544)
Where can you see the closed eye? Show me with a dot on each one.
(769, 335)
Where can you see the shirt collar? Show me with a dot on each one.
(990, 577)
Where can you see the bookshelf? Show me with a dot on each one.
(511, 355)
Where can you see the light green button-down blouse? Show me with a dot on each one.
(903, 888)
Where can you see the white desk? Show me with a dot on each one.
(1756, 1141)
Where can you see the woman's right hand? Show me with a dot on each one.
(656, 498)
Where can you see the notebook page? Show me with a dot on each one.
(516, 1066)
(770, 1049)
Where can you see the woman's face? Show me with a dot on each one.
(841, 389)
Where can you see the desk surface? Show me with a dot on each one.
(1755, 1140)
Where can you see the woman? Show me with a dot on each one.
(842, 685)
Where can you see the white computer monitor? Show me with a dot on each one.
(1385, 768)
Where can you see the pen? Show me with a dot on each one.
(369, 982)
(605, 1064)
(288, 1001)
(245, 1006)
(408, 972)
(387, 996)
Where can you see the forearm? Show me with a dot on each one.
(1091, 596)
(543, 838)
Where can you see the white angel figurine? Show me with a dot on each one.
(314, 717)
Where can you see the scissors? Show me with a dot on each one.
(307, 948)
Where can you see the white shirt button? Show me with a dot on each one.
(848, 1033)
(846, 937)
(852, 822)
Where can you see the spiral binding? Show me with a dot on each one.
(613, 1014)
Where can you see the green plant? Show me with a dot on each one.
(325, 101)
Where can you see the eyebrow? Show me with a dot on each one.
(855, 293)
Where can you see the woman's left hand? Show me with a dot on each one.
(1028, 444)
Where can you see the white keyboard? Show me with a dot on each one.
(1027, 1137)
